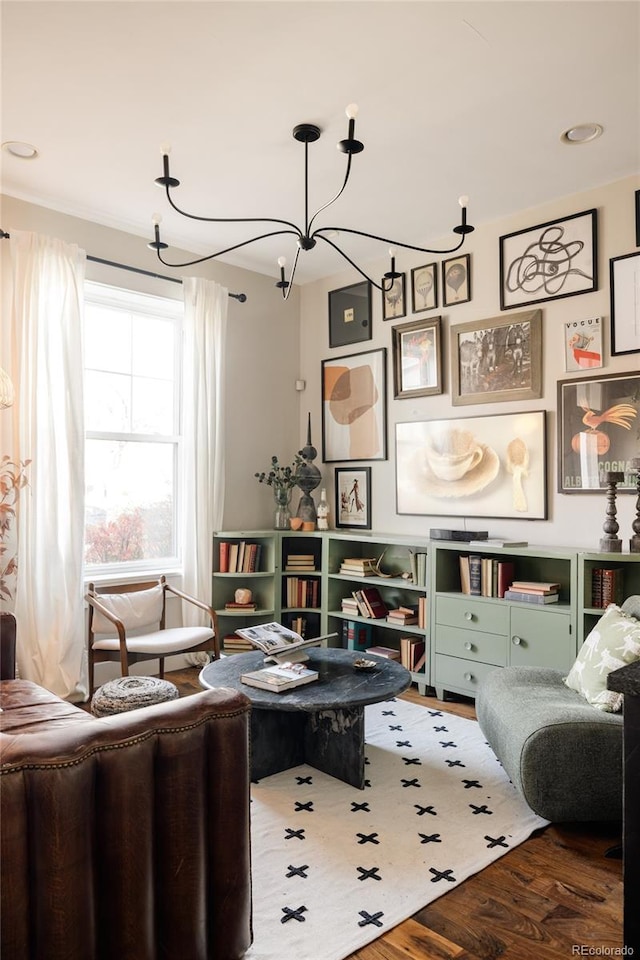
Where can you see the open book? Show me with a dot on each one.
(279, 643)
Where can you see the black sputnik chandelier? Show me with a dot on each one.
(307, 237)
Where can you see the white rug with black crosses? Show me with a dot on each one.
(335, 867)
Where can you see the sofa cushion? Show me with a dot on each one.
(614, 642)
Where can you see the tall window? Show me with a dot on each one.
(132, 415)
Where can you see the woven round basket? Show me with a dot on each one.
(131, 693)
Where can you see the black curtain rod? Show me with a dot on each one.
(240, 297)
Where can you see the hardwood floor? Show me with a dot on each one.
(554, 894)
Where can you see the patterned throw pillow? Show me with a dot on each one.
(614, 642)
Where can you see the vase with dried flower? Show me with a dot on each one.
(282, 480)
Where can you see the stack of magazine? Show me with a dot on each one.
(286, 648)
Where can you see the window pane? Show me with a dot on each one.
(158, 361)
(130, 501)
(107, 339)
(152, 406)
(107, 402)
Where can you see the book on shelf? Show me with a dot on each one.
(607, 586)
(239, 556)
(535, 586)
(505, 576)
(418, 566)
(363, 609)
(279, 678)
(412, 652)
(377, 607)
(525, 597)
(422, 612)
(465, 582)
(475, 574)
(223, 556)
(389, 653)
(233, 605)
(498, 542)
(400, 617)
(357, 636)
(278, 641)
(358, 568)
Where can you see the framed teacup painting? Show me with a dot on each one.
(473, 467)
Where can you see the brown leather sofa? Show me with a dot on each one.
(127, 836)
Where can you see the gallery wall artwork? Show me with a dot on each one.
(497, 359)
(598, 432)
(350, 314)
(394, 300)
(549, 261)
(354, 407)
(424, 287)
(353, 497)
(417, 358)
(456, 280)
(583, 344)
(624, 273)
(493, 466)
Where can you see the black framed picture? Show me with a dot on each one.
(353, 497)
(624, 276)
(456, 280)
(549, 261)
(637, 218)
(394, 301)
(424, 288)
(350, 314)
(598, 431)
(354, 407)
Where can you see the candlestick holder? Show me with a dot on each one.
(611, 543)
(634, 542)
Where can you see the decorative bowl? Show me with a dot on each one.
(362, 664)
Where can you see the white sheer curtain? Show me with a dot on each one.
(205, 327)
(48, 278)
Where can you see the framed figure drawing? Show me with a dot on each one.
(394, 300)
(417, 358)
(497, 359)
(424, 288)
(354, 407)
(625, 304)
(353, 497)
(598, 431)
(350, 314)
(549, 261)
(492, 466)
(456, 280)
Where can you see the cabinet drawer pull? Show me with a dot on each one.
(468, 645)
(468, 677)
(516, 641)
(468, 615)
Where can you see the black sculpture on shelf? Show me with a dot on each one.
(634, 542)
(309, 478)
(611, 542)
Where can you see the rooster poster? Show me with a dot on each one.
(598, 432)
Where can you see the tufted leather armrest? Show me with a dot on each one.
(125, 836)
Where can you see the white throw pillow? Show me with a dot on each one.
(614, 642)
(140, 608)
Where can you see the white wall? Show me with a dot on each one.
(262, 347)
(572, 519)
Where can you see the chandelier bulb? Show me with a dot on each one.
(392, 252)
(282, 262)
(352, 111)
(156, 219)
(463, 200)
(165, 149)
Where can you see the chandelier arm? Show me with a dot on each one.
(333, 199)
(219, 253)
(287, 290)
(378, 286)
(394, 243)
(193, 216)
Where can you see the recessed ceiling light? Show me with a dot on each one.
(582, 133)
(18, 148)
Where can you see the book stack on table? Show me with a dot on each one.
(533, 591)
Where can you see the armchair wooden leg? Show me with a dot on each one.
(161, 668)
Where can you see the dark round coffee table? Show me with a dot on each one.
(321, 723)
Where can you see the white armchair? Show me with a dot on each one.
(127, 623)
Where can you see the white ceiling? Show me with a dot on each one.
(455, 98)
